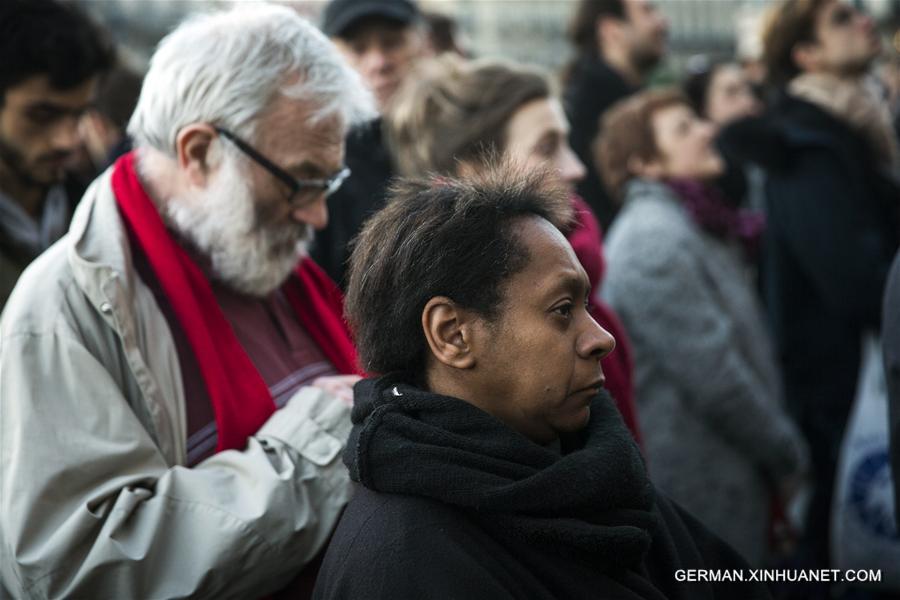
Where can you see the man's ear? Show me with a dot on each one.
(195, 153)
(607, 29)
(450, 332)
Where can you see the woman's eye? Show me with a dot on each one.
(564, 310)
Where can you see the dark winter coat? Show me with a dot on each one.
(832, 233)
(361, 195)
(591, 89)
(451, 503)
(14, 257)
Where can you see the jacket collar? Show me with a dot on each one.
(99, 251)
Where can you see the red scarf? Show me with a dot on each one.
(240, 398)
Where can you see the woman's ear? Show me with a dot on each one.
(449, 331)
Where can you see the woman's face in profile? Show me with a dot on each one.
(730, 96)
(539, 367)
(685, 145)
(537, 136)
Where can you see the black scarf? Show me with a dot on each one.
(592, 502)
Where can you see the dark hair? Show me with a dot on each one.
(440, 237)
(451, 110)
(696, 84)
(583, 27)
(118, 95)
(442, 32)
(44, 37)
(790, 23)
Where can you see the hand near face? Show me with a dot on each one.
(340, 386)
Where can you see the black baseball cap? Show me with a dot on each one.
(340, 15)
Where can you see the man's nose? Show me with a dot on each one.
(65, 136)
(315, 214)
(375, 61)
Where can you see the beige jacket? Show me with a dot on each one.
(95, 500)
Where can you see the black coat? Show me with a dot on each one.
(453, 504)
(361, 195)
(831, 235)
(591, 89)
(832, 231)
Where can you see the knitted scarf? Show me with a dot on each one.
(592, 502)
(712, 212)
(240, 398)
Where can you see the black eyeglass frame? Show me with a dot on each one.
(328, 186)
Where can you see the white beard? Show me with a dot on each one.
(223, 222)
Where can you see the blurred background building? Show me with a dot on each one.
(526, 30)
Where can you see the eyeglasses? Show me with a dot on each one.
(302, 191)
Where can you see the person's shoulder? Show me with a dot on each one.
(806, 125)
(651, 215)
(385, 546)
(38, 302)
(363, 138)
(373, 519)
(694, 547)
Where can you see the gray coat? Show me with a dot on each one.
(708, 392)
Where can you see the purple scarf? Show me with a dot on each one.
(710, 210)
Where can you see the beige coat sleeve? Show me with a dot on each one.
(89, 508)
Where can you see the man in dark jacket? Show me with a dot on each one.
(381, 39)
(51, 58)
(618, 43)
(829, 153)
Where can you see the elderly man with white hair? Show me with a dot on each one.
(174, 373)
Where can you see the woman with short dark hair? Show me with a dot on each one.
(454, 116)
(490, 462)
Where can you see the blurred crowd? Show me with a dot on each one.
(177, 368)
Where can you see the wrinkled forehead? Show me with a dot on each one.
(288, 124)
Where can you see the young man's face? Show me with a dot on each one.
(39, 128)
(382, 51)
(847, 41)
(648, 33)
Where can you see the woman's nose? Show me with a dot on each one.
(595, 341)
